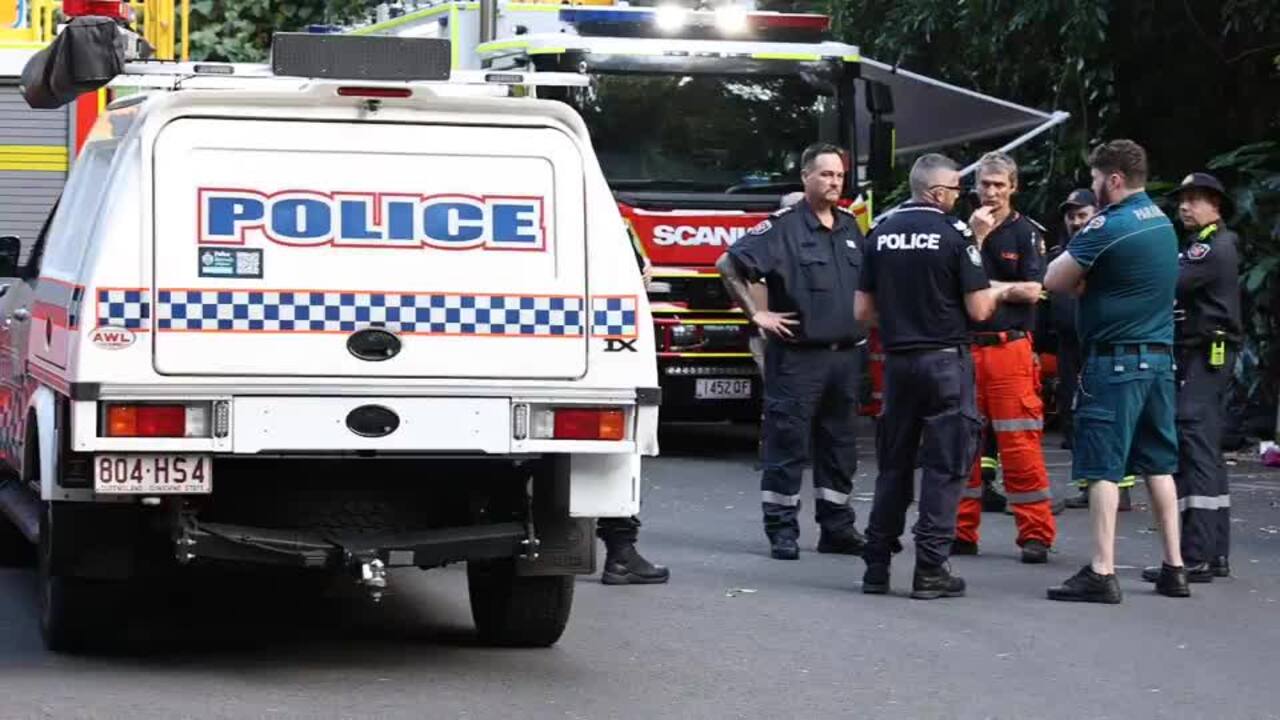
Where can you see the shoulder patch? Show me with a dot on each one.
(1198, 251)
(962, 228)
(975, 256)
(1097, 222)
(760, 228)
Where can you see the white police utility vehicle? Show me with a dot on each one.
(341, 314)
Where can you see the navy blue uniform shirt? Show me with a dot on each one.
(920, 263)
(1011, 253)
(809, 269)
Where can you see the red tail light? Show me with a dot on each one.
(105, 8)
(589, 424)
(173, 421)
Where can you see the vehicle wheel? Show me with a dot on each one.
(76, 614)
(515, 611)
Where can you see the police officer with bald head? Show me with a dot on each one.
(924, 282)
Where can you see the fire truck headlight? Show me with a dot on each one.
(670, 17)
(731, 19)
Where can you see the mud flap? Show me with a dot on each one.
(566, 546)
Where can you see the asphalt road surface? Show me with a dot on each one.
(734, 635)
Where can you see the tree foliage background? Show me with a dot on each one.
(1197, 82)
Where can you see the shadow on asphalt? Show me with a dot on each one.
(721, 441)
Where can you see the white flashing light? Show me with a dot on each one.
(670, 18)
(731, 19)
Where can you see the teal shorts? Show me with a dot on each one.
(1124, 417)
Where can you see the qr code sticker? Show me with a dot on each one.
(249, 263)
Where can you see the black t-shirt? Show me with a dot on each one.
(1012, 253)
(809, 270)
(920, 263)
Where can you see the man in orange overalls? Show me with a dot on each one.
(1007, 373)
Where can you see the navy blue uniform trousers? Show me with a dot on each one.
(810, 402)
(930, 419)
(1204, 496)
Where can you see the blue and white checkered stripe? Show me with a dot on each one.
(426, 313)
(613, 316)
(127, 308)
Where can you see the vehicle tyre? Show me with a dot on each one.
(76, 614)
(515, 611)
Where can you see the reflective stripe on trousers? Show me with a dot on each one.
(1201, 502)
(779, 499)
(831, 496)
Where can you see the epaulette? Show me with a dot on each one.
(845, 210)
(1036, 225)
(782, 211)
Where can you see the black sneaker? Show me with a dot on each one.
(784, 548)
(1196, 573)
(875, 581)
(964, 547)
(931, 583)
(628, 567)
(842, 542)
(1220, 566)
(1035, 552)
(1088, 586)
(1079, 502)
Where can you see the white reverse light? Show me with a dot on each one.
(670, 18)
(731, 19)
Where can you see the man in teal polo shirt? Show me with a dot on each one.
(1124, 267)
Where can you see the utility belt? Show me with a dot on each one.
(961, 350)
(990, 339)
(838, 345)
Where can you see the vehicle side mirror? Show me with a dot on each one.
(879, 98)
(880, 156)
(10, 252)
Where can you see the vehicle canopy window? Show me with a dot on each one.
(62, 250)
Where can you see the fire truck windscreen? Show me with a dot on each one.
(703, 133)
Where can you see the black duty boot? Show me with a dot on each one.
(1080, 501)
(933, 582)
(1173, 582)
(992, 501)
(964, 547)
(1035, 552)
(784, 547)
(1088, 586)
(1196, 573)
(625, 566)
(875, 581)
(1221, 566)
(842, 542)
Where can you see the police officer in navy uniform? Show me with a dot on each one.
(924, 281)
(808, 255)
(1207, 336)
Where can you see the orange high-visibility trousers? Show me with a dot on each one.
(1009, 396)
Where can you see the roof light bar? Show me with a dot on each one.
(669, 18)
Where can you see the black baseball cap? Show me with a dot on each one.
(1204, 181)
(1080, 197)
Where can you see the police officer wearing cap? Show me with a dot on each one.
(1207, 336)
(809, 256)
(924, 282)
